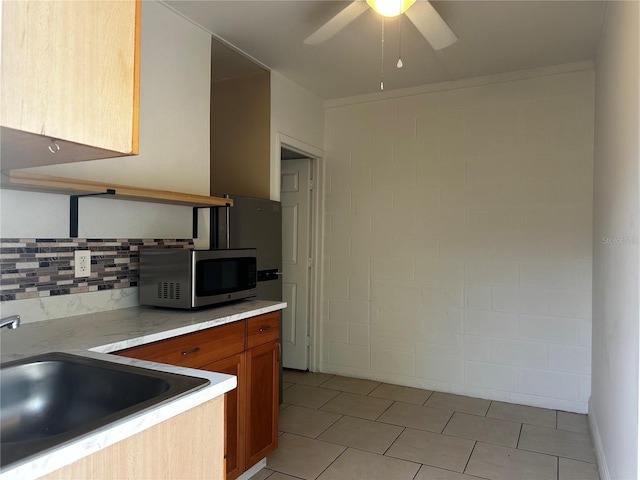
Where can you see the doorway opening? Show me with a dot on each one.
(300, 226)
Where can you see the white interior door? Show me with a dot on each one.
(295, 198)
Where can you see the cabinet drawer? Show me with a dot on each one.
(193, 350)
(263, 329)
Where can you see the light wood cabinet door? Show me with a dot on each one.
(262, 402)
(69, 72)
(233, 417)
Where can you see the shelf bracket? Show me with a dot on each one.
(73, 210)
(195, 218)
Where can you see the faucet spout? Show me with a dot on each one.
(12, 322)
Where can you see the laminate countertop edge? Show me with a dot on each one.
(96, 335)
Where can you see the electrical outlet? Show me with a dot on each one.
(82, 263)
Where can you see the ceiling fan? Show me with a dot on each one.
(422, 14)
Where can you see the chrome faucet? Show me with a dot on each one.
(12, 322)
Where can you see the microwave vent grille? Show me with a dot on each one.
(169, 290)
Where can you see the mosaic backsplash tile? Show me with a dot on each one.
(42, 267)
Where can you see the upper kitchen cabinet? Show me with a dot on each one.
(240, 124)
(69, 81)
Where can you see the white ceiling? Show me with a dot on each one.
(494, 37)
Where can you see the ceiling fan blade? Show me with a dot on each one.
(431, 25)
(337, 23)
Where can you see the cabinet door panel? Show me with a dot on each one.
(262, 402)
(233, 419)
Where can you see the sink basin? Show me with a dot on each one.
(51, 399)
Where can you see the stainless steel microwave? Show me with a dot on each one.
(187, 278)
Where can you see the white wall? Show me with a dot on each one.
(458, 238)
(295, 113)
(613, 408)
(174, 145)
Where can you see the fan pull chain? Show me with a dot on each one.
(382, 57)
(399, 64)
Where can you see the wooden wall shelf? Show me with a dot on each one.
(76, 188)
(17, 180)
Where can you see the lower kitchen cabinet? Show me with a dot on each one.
(250, 350)
(234, 404)
(262, 401)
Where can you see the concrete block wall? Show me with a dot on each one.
(457, 247)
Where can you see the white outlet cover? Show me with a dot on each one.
(82, 262)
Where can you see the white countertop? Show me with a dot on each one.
(97, 334)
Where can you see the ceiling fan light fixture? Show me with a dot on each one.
(390, 8)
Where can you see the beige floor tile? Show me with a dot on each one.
(432, 473)
(459, 403)
(574, 470)
(357, 405)
(283, 406)
(286, 385)
(573, 422)
(482, 429)
(308, 396)
(502, 463)
(573, 445)
(416, 416)
(399, 393)
(302, 457)
(305, 378)
(304, 421)
(543, 417)
(281, 476)
(358, 465)
(433, 449)
(262, 474)
(362, 434)
(351, 385)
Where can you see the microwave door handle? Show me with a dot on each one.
(228, 221)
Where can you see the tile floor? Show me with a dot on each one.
(338, 428)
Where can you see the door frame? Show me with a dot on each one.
(316, 157)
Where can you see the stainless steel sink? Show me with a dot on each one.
(51, 399)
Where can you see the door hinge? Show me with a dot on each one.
(308, 341)
(311, 185)
(309, 262)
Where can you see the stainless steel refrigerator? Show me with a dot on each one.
(254, 223)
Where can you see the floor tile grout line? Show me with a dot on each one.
(448, 421)
(394, 441)
(557, 456)
(469, 459)
(385, 410)
(332, 398)
(325, 430)
(427, 399)
(488, 408)
(519, 436)
(334, 461)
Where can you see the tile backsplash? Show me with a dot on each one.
(43, 267)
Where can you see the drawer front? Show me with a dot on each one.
(194, 350)
(263, 329)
